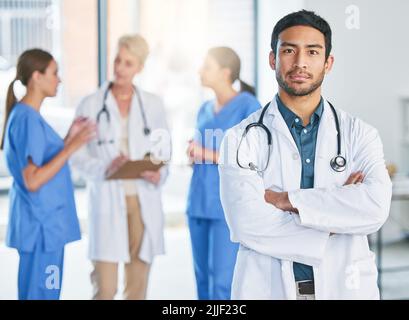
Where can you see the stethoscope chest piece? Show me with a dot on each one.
(338, 163)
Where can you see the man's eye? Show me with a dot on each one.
(314, 52)
(288, 50)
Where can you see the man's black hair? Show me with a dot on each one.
(303, 18)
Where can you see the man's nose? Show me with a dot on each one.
(300, 61)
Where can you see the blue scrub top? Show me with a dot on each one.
(204, 197)
(51, 209)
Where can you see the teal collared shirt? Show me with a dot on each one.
(306, 139)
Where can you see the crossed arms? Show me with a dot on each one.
(296, 225)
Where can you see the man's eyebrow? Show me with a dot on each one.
(289, 44)
(314, 46)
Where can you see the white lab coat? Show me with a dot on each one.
(108, 228)
(271, 240)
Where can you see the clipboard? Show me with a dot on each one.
(133, 169)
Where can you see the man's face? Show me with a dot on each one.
(300, 62)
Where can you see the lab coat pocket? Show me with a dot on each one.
(361, 278)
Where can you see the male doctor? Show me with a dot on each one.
(302, 223)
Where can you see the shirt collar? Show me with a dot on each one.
(291, 118)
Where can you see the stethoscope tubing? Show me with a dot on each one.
(338, 163)
(104, 110)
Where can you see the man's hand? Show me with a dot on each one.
(354, 178)
(279, 200)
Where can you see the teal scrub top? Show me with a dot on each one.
(204, 197)
(51, 209)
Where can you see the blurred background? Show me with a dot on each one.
(369, 80)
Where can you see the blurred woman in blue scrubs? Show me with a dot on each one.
(214, 254)
(42, 215)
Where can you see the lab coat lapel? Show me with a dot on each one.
(285, 153)
(326, 147)
(278, 123)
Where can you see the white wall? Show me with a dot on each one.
(371, 64)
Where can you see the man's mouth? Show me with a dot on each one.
(299, 77)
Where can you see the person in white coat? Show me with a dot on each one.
(302, 206)
(125, 216)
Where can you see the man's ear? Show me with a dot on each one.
(272, 60)
(329, 63)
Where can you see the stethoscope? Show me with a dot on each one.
(104, 111)
(337, 163)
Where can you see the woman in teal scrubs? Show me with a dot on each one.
(214, 254)
(42, 216)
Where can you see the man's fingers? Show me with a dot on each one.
(266, 196)
(350, 179)
(354, 178)
(358, 178)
